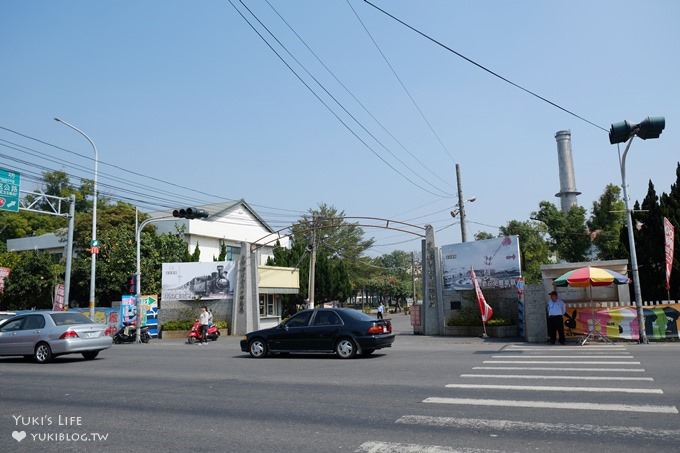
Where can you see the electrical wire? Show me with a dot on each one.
(484, 68)
(324, 103)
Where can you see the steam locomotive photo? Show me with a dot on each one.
(200, 283)
(206, 285)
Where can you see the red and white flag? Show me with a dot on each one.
(484, 308)
(669, 233)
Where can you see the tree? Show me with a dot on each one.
(482, 235)
(605, 224)
(533, 248)
(670, 208)
(569, 238)
(31, 282)
(335, 240)
(649, 242)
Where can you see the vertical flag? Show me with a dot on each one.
(669, 233)
(484, 308)
(58, 304)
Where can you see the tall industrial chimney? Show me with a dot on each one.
(568, 192)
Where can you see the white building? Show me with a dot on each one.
(229, 223)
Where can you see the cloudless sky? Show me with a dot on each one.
(188, 105)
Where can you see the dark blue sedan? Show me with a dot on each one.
(342, 331)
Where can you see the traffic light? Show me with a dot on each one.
(190, 213)
(132, 284)
(620, 132)
(651, 127)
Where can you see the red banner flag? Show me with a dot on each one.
(484, 308)
(669, 232)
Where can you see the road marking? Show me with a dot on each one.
(581, 362)
(632, 432)
(555, 405)
(554, 388)
(392, 447)
(583, 378)
(588, 356)
(549, 348)
(546, 368)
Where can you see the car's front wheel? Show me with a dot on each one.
(258, 348)
(42, 353)
(345, 348)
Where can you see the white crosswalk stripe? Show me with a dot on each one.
(549, 428)
(555, 388)
(593, 363)
(392, 447)
(555, 405)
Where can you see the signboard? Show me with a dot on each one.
(496, 262)
(196, 281)
(4, 273)
(9, 190)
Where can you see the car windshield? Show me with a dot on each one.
(68, 318)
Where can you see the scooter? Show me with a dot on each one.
(128, 334)
(194, 334)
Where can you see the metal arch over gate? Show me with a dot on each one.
(432, 315)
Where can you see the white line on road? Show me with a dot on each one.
(581, 362)
(392, 447)
(549, 348)
(553, 405)
(555, 388)
(587, 356)
(583, 378)
(547, 368)
(474, 424)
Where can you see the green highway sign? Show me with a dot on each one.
(9, 190)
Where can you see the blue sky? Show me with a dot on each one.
(188, 105)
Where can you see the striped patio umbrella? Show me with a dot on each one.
(591, 276)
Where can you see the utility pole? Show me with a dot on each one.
(312, 266)
(460, 206)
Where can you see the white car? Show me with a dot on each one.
(43, 335)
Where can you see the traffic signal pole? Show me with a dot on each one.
(642, 331)
(650, 127)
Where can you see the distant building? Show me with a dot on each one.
(51, 243)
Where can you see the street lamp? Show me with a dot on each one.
(650, 127)
(94, 244)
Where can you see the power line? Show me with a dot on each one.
(324, 103)
(480, 66)
(403, 86)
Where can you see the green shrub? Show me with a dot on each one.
(183, 324)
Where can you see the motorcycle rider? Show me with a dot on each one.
(204, 322)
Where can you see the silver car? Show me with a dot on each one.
(43, 335)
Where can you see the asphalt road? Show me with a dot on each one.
(426, 394)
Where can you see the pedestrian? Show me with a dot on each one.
(381, 310)
(204, 321)
(556, 311)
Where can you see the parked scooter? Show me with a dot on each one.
(128, 334)
(194, 334)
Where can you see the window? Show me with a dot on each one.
(34, 322)
(326, 318)
(299, 320)
(269, 305)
